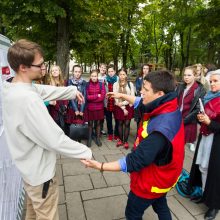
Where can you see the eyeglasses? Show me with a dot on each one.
(39, 65)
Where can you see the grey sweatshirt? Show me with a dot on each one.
(32, 135)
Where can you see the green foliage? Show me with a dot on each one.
(173, 32)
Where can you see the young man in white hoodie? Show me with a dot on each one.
(32, 135)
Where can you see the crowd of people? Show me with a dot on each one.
(161, 107)
(97, 108)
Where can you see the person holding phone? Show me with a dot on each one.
(206, 163)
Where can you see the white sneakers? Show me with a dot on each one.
(192, 147)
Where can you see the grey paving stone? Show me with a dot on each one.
(106, 208)
(126, 188)
(106, 151)
(104, 148)
(66, 160)
(94, 147)
(111, 145)
(104, 192)
(178, 209)
(59, 174)
(126, 151)
(173, 216)
(98, 180)
(76, 168)
(172, 192)
(61, 195)
(113, 157)
(74, 206)
(193, 208)
(149, 214)
(99, 158)
(187, 163)
(116, 178)
(189, 153)
(62, 212)
(77, 183)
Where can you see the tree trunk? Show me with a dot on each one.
(188, 45)
(63, 44)
(155, 39)
(131, 57)
(211, 51)
(182, 51)
(124, 54)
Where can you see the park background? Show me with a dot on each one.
(168, 34)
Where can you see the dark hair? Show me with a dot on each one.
(76, 66)
(161, 80)
(211, 67)
(111, 66)
(23, 52)
(142, 67)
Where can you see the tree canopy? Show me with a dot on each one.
(175, 33)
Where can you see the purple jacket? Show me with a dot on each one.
(93, 101)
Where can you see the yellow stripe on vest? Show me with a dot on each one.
(158, 190)
(144, 133)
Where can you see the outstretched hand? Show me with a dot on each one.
(115, 95)
(91, 163)
(80, 97)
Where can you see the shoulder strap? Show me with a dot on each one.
(129, 85)
(100, 85)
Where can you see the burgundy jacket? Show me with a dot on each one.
(93, 101)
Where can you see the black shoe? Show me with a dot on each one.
(89, 142)
(210, 214)
(98, 142)
(103, 132)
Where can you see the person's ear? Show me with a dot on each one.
(22, 68)
(161, 93)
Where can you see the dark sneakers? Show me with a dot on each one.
(98, 142)
(211, 214)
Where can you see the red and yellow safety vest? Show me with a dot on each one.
(154, 181)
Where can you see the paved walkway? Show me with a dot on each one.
(85, 194)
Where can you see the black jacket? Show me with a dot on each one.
(194, 107)
(211, 195)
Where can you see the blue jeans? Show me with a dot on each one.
(136, 206)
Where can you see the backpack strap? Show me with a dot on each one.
(129, 85)
(100, 86)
